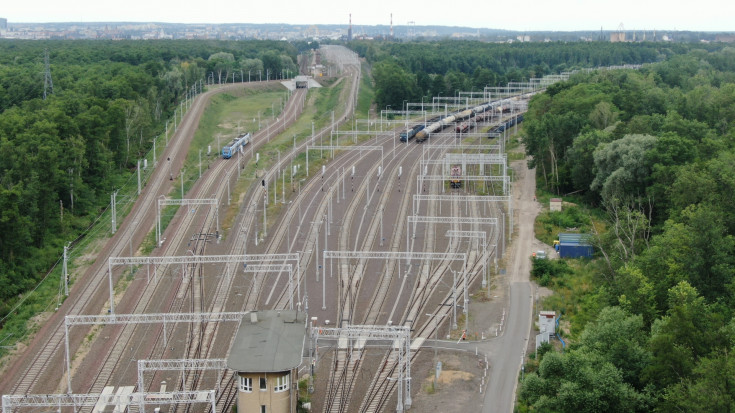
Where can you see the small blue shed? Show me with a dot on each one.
(574, 246)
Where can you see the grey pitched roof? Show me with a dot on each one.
(274, 343)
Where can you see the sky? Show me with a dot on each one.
(528, 15)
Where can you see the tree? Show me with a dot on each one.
(711, 388)
(581, 157)
(222, 62)
(619, 338)
(272, 63)
(686, 333)
(392, 85)
(580, 381)
(252, 67)
(621, 167)
(603, 115)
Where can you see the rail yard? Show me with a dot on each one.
(382, 232)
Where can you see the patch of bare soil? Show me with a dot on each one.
(457, 389)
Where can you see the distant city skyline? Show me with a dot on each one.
(531, 15)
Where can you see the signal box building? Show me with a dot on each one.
(266, 355)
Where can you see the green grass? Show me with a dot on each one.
(576, 296)
(572, 218)
(366, 94)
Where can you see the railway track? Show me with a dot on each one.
(360, 214)
(344, 373)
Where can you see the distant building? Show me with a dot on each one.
(616, 37)
(725, 38)
(266, 354)
(3, 24)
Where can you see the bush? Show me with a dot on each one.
(544, 270)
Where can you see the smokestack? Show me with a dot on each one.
(349, 31)
(391, 25)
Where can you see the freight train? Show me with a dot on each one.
(409, 133)
(236, 145)
(507, 124)
(481, 112)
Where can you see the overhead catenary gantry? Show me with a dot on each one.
(400, 340)
(187, 202)
(78, 401)
(418, 198)
(162, 318)
(463, 147)
(464, 159)
(396, 255)
(450, 220)
(479, 235)
(199, 259)
(505, 180)
(179, 365)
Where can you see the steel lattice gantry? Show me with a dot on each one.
(418, 198)
(179, 365)
(441, 220)
(479, 178)
(479, 235)
(163, 318)
(399, 255)
(161, 202)
(11, 402)
(400, 337)
(428, 148)
(196, 259)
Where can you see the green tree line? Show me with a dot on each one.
(63, 155)
(654, 150)
(421, 70)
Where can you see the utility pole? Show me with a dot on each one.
(138, 177)
(182, 183)
(48, 83)
(113, 210)
(65, 269)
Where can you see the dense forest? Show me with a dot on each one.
(654, 151)
(63, 155)
(417, 71)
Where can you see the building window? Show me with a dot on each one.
(262, 408)
(282, 383)
(246, 384)
(263, 384)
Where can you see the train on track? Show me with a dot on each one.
(455, 180)
(409, 133)
(507, 124)
(480, 112)
(236, 145)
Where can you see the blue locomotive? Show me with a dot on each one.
(236, 145)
